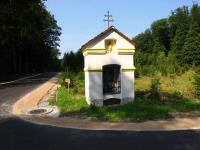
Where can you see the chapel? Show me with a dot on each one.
(109, 68)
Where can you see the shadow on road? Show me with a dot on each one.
(17, 134)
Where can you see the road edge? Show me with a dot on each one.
(27, 77)
(31, 99)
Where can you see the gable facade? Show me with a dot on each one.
(109, 50)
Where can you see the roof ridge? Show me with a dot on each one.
(104, 32)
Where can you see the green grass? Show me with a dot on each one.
(174, 100)
(69, 102)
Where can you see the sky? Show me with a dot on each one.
(81, 20)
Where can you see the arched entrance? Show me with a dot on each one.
(111, 79)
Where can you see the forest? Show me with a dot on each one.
(29, 37)
(171, 45)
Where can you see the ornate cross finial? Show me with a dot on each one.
(108, 18)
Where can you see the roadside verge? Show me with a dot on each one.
(31, 100)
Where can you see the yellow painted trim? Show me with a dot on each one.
(133, 49)
(94, 52)
(125, 51)
(93, 70)
(94, 49)
(100, 70)
(102, 51)
(128, 69)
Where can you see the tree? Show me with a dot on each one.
(179, 26)
(195, 13)
(171, 44)
(172, 64)
(179, 18)
(197, 82)
(160, 33)
(145, 41)
(72, 61)
(158, 46)
(191, 49)
(28, 34)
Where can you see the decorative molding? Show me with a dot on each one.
(94, 49)
(94, 52)
(100, 69)
(128, 69)
(126, 51)
(130, 49)
(93, 70)
(102, 51)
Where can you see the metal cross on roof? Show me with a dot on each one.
(108, 18)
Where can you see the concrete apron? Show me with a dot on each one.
(31, 100)
(87, 124)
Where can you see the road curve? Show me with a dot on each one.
(10, 93)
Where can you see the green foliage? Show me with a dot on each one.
(29, 37)
(160, 33)
(173, 100)
(172, 64)
(155, 89)
(72, 61)
(197, 82)
(145, 41)
(161, 63)
(77, 84)
(68, 102)
(191, 48)
(63, 76)
(148, 64)
(171, 45)
(179, 26)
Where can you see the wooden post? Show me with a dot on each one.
(68, 83)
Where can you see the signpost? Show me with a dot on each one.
(68, 83)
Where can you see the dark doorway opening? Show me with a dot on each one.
(111, 79)
(111, 101)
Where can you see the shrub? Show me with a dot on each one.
(197, 82)
(80, 76)
(63, 76)
(155, 89)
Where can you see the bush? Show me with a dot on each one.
(79, 76)
(76, 81)
(155, 89)
(63, 76)
(197, 82)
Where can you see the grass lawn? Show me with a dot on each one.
(176, 98)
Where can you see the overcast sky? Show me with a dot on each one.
(81, 20)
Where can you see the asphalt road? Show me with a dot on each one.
(10, 93)
(18, 134)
